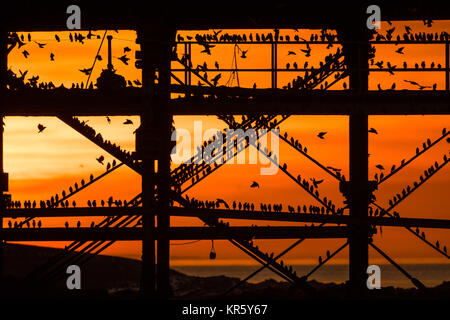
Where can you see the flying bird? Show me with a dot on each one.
(207, 47)
(126, 49)
(215, 80)
(100, 159)
(41, 128)
(224, 203)
(86, 71)
(41, 45)
(128, 121)
(254, 185)
(316, 182)
(379, 166)
(124, 59)
(25, 53)
(373, 130)
(291, 53)
(321, 135)
(400, 50)
(307, 51)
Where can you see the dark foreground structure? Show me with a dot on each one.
(264, 109)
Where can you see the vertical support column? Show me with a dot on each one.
(190, 63)
(164, 132)
(145, 152)
(109, 66)
(356, 53)
(153, 147)
(274, 64)
(447, 65)
(358, 240)
(3, 175)
(186, 70)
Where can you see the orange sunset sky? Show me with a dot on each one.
(41, 165)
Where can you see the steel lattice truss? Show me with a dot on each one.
(128, 215)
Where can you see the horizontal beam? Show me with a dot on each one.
(50, 15)
(80, 102)
(308, 218)
(228, 214)
(175, 233)
(128, 101)
(317, 102)
(72, 212)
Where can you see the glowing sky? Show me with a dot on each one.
(40, 165)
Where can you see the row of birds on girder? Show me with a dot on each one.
(77, 37)
(425, 146)
(55, 202)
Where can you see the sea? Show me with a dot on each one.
(429, 274)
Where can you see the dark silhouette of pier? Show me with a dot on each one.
(147, 216)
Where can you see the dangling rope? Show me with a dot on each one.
(234, 65)
(184, 243)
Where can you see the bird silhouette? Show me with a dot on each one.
(215, 80)
(321, 135)
(100, 159)
(224, 203)
(291, 53)
(86, 71)
(243, 54)
(128, 121)
(108, 119)
(307, 51)
(379, 166)
(41, 128)
(41, 45)
(254, 185)
(372, 130)
(124, 59)
(207, 48)
(316, 182)
(52, 57)
(25, 54)
(400, 50)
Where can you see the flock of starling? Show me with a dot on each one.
(425, 146)
(16, 82)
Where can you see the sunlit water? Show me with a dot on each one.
(428, 274)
